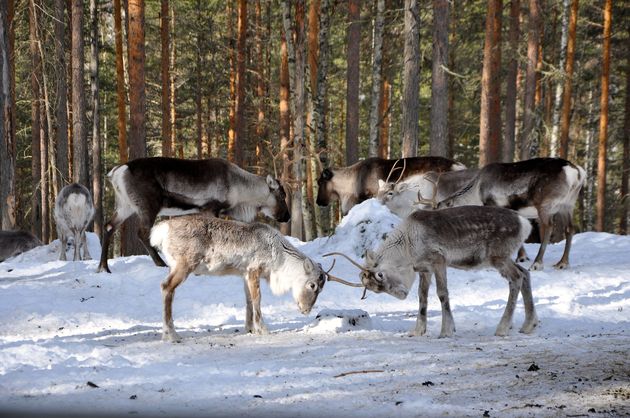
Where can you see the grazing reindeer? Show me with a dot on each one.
(358, 182)
(219, 247)
(401, 197)
(537, 188)
(170, 186)
(13, 243)
(74, 211)
(464, 237)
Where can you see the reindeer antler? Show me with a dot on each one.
(337, 279)
(394, 168)
(433, 200)
(332, 278)
(347, 258)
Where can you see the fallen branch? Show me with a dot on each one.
(359, 372)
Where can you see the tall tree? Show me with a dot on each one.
(568, 81)
(7, 130)
(285, 121)
(232, 60)
(79, 127)
(36, 169)
(528, 143)
(353, 42)
(377, 64)
(61, 103)
(97, 164)
(509, 141)
(600, 221)
(411, 80)
(555, 121)
(438, 144)
(137, 105)
(120, 86)
(240, 137)
(199, 82)
(625, 173)
(262, 38)
(490, 114)
(167, 146)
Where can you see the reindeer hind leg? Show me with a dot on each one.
(511, 271)
(531, 319)
(174, 279)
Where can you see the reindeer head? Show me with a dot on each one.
(305, 291)
(325, 188)
(276, 205)
(391, 275)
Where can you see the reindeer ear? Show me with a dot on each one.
(370, 256)
(308, 266)
(402, 186)
(271, 182)
(381, 184)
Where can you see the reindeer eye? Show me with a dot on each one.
(322, 277)
(312, 286)
(379, 275)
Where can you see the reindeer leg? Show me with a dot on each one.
(117, 220)
(64, 244)
(77, 246)
(568, 234)
(423, 296)
(546, 226)
(512, 273)
(176, 276)
(531, 319)
(448, 324)
(253, 283)
(86, 251)
(249, 326)
(143, 235)
(521, 257)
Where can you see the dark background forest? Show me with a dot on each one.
(87, 85)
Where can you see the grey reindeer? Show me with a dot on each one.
(206, 245)
(13, 243)
(74, 211)
(171, 186)
(427, 242)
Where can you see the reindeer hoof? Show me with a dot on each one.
(418, 331)
(171, 336)
(561, 265)
(102, 269)
(528, 328)
(537, 266)
(522, 259)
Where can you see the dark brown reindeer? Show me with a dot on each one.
(170, 186)
(541, 188)
(13, 243)
(358, 182)
(427, 242)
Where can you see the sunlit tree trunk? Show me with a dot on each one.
(625, 173)
(285, 122)
(377, 64)
(555, 120)
(7, 130)
(565, 117)
(411, 80)
(240, 137)
(120, 85)
(61, 103)
(167, 146)
(36, 175)
(439, 80)
(97, 165)
(79, 127)
(600, 222)
(509, 141)
(198, 83)
(533, 40)
(353, 42)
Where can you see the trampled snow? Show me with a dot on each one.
(76, 341)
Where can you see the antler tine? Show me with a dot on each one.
(332, 278)
(433, 200)
(331, 266)
(403, 170)
(347, 258)
(394, 168)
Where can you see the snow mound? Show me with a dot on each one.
(335, 321)
(50, 252)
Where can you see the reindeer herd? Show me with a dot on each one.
(453, 217)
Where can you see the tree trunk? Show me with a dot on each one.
(568, 81)
(625, 173)
(377, 64)
(555, 119)
(177, 147)
(232, 53)
(7, 130)
(36, 209)
(507, 150)
(79, 130)
(61, 104)
(97, 165)
(120, 85)
(528, 143)
(600, 223)
(439, 80)
(167, 146)
(240, 138)
(313, 67)
(198, 83)
(353, 42)
(411, 80)
(137, 105)
(285, 122)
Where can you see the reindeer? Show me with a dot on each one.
(149, 187)
(465, 237)
(358, 182)
(541, 188)
(401, 197)
(13, 243)
(206, 245)
(74, 211)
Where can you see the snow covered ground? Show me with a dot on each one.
(75, 341)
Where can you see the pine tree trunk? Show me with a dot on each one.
(509, 141)
(411, 80)
(240, 138)
(177, 147)
(7, 130)
(198, 83)
(533, 40)
(555, 120)
(36, 209)
(439, 80)
(97, 165)
(377, 64)
(285, 122)
(232, 53)
(386, 78)
(120, 85)
(600, 223)
(315, 9)
(167, 146)
(353, 42)
(79, 127)
(61, 104)
(625, 173)
(568, 81)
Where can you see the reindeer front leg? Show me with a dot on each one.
(448, 324)
(253, 285)
(176, 276)
(423, 296)
(249, 327)
(546, 227)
